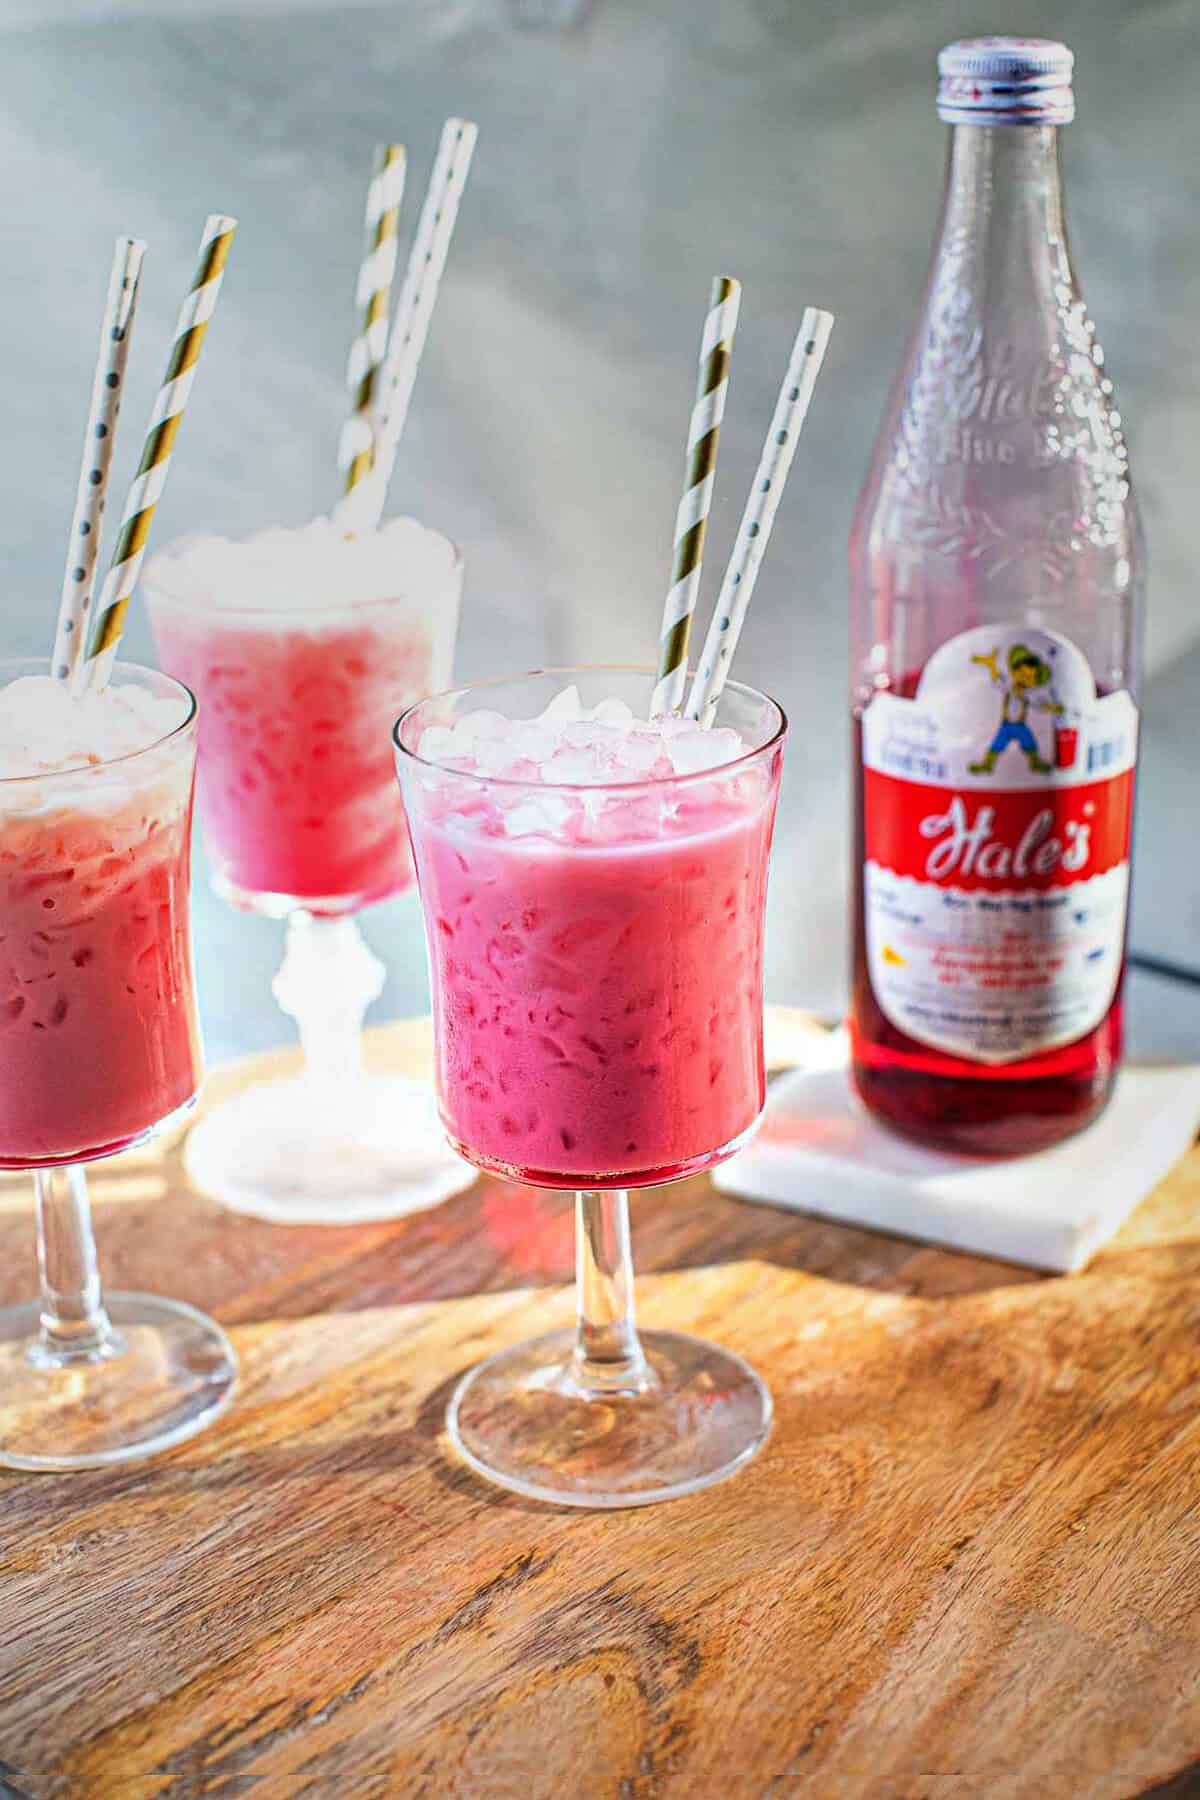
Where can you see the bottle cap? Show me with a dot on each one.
(1005, 81)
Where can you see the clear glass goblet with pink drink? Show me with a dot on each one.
(301, 646)
(593, 885)
(99, 1047)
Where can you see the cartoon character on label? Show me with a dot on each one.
(1026, 673)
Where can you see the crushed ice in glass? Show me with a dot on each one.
(571, 745)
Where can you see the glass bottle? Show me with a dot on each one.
(996, 602)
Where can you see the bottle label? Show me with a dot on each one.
(998, 809)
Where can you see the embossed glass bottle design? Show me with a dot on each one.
(996, 608)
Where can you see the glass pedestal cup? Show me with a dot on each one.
(302, 822)
(596, 962)
(99, 1048)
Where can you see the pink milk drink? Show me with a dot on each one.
(98, 1033)
(302, 647)
(594, 888)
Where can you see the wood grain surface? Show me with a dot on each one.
(967, 1563)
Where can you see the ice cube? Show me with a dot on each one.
(732, 743)
(613, 712)
(564, 707)
(593, 734)
(533, 743)
(474, 726)
(495, 756)
(580, 767)
(538, 815)
(461, 765)
(437, 741)
(697, 749)
(638, 753)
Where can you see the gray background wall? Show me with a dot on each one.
(624, 158)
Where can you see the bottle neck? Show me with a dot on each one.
(1004, 202)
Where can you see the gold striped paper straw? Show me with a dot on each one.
(804, 365)
(146, 491)
(83, 546)
(691, 519)
(374, 297)
(414, 309)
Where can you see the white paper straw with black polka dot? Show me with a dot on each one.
(804, 365)
(83, 546)
(691, 518)
(374, 296)
(109, 617)
(414, 309)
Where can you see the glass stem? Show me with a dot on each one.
(327, 980)
(608, 1355)
(74, 1325)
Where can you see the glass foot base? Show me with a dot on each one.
(296, 1153)
(168, 1373)
(520, 1420)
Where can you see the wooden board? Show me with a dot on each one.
(967, 1563)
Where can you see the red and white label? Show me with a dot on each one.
(998, 809)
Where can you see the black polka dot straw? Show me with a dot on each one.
(363, 509)
(83, 543)
(754, 532)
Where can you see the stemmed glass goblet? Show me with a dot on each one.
(99, 1048)
(596, 953)
(302, 645)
